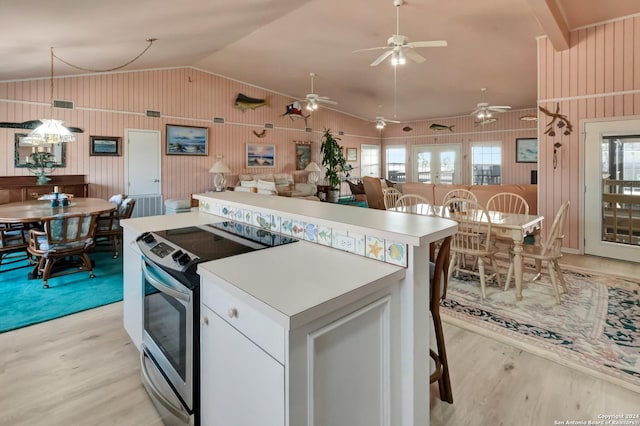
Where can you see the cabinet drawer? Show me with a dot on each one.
(248, 320)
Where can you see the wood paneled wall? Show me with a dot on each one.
(598, 77)
(505, 130)
(107, 104)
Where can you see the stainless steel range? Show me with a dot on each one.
(170, 357)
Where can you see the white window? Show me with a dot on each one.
(370, 160)
(396, 163)
(486, 163)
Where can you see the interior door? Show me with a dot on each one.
(612, 189)
(437, 164)
(142, 159)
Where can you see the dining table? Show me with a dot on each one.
(510, 225)
(31, 211)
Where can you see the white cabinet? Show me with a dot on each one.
(241, 384)
(132, 287)
(339, 368)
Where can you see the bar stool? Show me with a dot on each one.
(439, 267)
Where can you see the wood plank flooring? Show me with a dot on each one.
(83, 370)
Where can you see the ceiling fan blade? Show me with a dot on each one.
(326, 100)
(414, 56)
(498, 108)
(381, 58)
(372, 48)
(435, 43)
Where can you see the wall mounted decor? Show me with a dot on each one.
(352, 154)
(526, 150)
(23, 153)
(104, 145)
(303, 154)
(187, 140)
(261, 155)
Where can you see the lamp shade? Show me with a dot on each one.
(49, 132)
(219, 167)
(312, 167)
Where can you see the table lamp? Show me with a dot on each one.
(219, 181)
(313, 168)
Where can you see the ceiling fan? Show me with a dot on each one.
(313, 99)
(399, 47)
(484, 111)
(381, 122)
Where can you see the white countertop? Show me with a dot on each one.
(296, 283)
(158, 223)
(415, 230)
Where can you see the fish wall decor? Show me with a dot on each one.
(407, 129)
(244, 102)
(294, 111)
(439, 127)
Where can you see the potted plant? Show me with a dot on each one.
(333, 159)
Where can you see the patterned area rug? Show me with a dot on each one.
(596, 329)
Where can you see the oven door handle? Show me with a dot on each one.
(177, 412)
(150, 275)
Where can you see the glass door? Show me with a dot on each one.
(437, 164)
(612, 194)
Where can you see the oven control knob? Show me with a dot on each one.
(232, 312)
(177, 254)
(149, 238)
(204, 321)
(184, 259)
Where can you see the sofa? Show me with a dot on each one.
(436, 192)
(281, 184)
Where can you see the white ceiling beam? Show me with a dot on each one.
(552, 22)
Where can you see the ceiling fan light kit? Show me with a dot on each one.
(313, 99)
(399, 47)
(484, 111)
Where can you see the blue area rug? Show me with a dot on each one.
(24, 302)
(596, 329)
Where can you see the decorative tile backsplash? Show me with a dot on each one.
(371, 246)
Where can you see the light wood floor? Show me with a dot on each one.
(83, 370)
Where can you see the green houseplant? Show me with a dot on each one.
(333, 159)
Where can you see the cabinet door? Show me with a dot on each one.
(241, 384)
(132, 287)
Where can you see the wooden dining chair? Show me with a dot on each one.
(390, 195)
(508, 202)
(64, 236)
(439, 279)
(108, 228)
(462, 195)
(548, 251)
(13, 246)
(408, 200)
(473, 239)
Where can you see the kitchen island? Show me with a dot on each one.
(333, 329)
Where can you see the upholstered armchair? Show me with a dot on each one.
(64, 236)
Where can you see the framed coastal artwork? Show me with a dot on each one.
(526, 150)
(261, 155)
(104, 145)
(303, 154)
(187, 140)
(352, 154)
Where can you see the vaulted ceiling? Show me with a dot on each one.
(275, 44)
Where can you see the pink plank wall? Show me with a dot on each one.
(597, 77)
(505, 130)
(107, 104)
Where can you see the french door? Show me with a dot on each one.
(437, 164)
(612, 189)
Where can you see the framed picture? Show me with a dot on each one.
(261, 155)
(303, 154)
(22, 152)
(352, 154)
(187, 140)
(526, 150)
(104, 145)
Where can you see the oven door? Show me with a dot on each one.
(168, 329)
